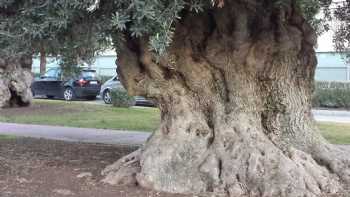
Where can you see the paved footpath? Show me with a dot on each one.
(74, 134)
(332, 116)
(119, 136)
(81, 134)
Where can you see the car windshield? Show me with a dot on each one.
(88, 74)
(52, 73)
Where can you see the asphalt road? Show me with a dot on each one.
(82, 134)
(332, 116)
(75, 134)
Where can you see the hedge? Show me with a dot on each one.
(331, 94)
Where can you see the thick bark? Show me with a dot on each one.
(15, 81)
(234, 92)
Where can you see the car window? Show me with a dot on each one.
(52, 73)
(88, 74)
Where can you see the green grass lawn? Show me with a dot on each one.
(80, 114)
(336, 133)
(7, 137)
(77, 114)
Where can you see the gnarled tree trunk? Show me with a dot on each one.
(234, 92)
(15, 81)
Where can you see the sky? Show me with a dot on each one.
(325, 43)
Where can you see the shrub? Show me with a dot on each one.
(120, 98)
(332, 94)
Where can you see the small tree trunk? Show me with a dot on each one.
(42, 61)
(234, 92)
(15, 81)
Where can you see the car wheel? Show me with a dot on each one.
(68, 94)
(107, 97)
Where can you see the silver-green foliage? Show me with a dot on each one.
(154, 18)
(72, 29)
(63, 28)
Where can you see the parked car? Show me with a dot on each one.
(113, 84)
(83, 84)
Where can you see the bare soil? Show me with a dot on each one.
(46, 168)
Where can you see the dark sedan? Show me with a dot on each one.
(83, 84)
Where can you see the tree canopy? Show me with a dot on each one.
(233, 80)
(82, 28)
(64, 28)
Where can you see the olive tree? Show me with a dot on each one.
(233, 80)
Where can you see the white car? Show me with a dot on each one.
(113, 84)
